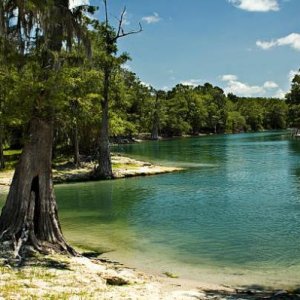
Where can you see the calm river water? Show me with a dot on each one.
(232, 217)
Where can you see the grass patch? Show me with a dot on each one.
(12, 152)
(10, 165)
(11, 158)
(125, 166)
(170, 275)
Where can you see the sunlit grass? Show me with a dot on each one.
(125, 166)
(12, 152)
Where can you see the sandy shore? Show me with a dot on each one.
(62, 277)
(122, 167)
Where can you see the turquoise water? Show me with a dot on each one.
(233, 216)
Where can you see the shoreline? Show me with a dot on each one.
(61, 277)
(123, 167)
(212, 277)
(101, 277)
(91, 276)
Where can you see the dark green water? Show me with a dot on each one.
(232, 217)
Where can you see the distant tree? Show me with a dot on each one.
(108, 38)
(253, 113)
(177, 111)
(232, 97)
(159, 95)
(275, 116)
(215, 102)
(235, 122)
(293, 101)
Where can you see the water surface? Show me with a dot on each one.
(233, 216)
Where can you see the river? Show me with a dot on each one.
(232, 217)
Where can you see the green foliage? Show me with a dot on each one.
(293, 101)
(235, 122)
(275, 116)
(64, 81)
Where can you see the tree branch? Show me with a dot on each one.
(106, 13)
(120, 27)
(122, 33)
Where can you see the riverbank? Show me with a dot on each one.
(123, 167)
(62, 277)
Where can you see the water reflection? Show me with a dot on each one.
(294, 148)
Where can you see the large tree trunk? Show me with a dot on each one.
(29, 216)
(104, 170)
(2, 162)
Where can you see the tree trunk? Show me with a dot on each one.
(29, 216)
(2, 162)
(154, 132)
(155, 120)
(76, 146)
(104, 170)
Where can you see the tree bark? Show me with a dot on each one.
(104, 170)
(2, 162)
(155, 120)
(29, 216)
(76, 147)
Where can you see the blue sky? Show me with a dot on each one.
(248, 47)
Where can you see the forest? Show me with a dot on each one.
(135, 110)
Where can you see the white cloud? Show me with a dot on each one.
(279, 94)
(265, 45)
(270, 85)
(127, 67)
(244, 89)
(148, 85)
(191, 82)
(74, 3)
(256, 5)
(292, 74)
(229, 77)
(155, 18)
(292, 40)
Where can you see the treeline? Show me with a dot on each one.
(193, 110)
(137, 110)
